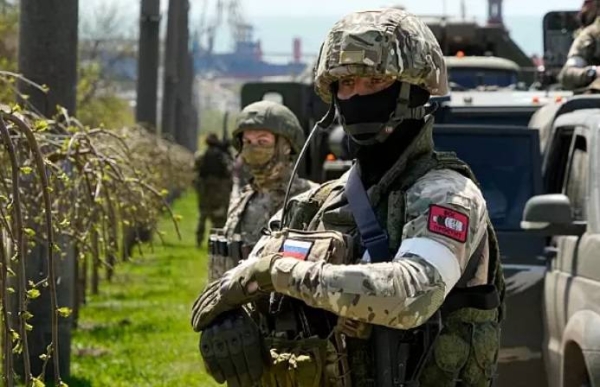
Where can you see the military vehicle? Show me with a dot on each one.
(568, 214)
(481, 72)
(472, 39)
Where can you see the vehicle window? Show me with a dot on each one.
(576, 179)
(503, 164)
(557, 159)
(470, 78)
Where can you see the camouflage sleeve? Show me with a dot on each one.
(446, 220)
(574, 75)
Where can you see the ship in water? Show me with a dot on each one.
(246, 60)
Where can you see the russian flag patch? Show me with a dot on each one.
(294, 248)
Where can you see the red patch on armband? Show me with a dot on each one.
(449, 223)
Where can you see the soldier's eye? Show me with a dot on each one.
(347, 82)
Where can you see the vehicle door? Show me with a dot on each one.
(572, 291)
(506, 161)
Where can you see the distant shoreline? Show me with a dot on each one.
(276, 33)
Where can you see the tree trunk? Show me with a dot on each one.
(48, 56)
(147, 82)
(170, 75)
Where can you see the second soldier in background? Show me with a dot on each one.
(269, 137)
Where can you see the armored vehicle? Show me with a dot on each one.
(472, 39)
(484, 72)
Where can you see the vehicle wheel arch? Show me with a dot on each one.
(580, 338)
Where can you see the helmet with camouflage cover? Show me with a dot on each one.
(389, 43)
(271, 116)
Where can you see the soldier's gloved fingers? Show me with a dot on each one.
(210, 289)
(234, 344)
(254, 353)
(209, 299)
(208, 356)
(223, 357)
(202, 318)
(255, 358)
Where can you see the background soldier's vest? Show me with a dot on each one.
(467, 347)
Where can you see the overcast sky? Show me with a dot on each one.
(277, 22)
(340, 7)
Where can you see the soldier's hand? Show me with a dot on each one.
(240, 285)
(233, 351)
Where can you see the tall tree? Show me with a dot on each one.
(169, 100)
(178, 77)
(48, 56)
(147, 83)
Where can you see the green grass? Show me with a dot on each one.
(137, 331)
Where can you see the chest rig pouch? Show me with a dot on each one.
(226, 246)
(302, 354)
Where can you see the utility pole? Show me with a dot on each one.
(147, 82)
(48, 56)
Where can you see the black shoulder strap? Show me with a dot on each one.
(372, 234)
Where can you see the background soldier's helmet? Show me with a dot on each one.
(389, 42)
(271, 116)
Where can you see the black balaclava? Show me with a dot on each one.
(377, 158)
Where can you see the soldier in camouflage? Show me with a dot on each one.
(581, 68)
(213, 184)
(337, 303)
(268, 137)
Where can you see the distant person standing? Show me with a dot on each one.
(581, 68)
(268, 137)
(213, 184)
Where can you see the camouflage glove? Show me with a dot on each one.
(240, 285)
(232, 350)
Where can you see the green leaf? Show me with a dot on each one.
(32, 294)
(28, 327)
(29, 231)
(35, 382)
(18, 348)
(64, 311)
(41, 125)
(26, 170)
(14, 335)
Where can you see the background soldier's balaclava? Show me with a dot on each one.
(270, 166)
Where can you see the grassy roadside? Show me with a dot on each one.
(136, 332)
